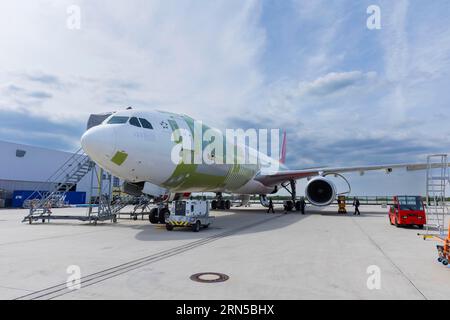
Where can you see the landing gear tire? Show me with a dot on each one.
(288, 206)
(114, 219)
(162, 215)
(153, 216)
(196, 226)
(214, 204)
(297, 206)
(445, 262)
(169, 227)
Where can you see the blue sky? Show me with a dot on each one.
(345, 94)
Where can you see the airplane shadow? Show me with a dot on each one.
(243, 221)
(238, 218)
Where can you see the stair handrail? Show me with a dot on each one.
(66, 168)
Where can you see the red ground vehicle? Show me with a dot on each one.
(407, 211)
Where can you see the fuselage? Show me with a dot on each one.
(139, 146)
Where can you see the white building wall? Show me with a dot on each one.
(31, 171)
(36, 165)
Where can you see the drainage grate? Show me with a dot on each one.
(209, 277)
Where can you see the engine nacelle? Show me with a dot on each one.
(320, 192)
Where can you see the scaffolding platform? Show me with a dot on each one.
(90, 219)
(141, 208)
(438, 179)
(64, 179)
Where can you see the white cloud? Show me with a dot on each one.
(395, 41)
(396, 56)
(334, 82)
(340, 81)
(182, 56)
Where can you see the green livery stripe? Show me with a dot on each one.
(193, 177)
(119, 157)
(185, 177)
(173, 124)
(190, 123)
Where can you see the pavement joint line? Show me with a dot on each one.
(13, 288)
(54, 237)
(100, 276)
(388, 258)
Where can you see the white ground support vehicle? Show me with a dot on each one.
(189, 213)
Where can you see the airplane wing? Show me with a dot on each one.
(272, 178)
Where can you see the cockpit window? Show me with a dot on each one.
(118, 120)
(145, 123)
(135, 122)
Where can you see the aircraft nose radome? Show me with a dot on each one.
(99, 142)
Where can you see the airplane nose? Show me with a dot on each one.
(99, 142)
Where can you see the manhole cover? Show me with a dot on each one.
(209, 277)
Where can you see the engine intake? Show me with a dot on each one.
(320, 192)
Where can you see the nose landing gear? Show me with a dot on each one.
(219, 203)
(158, 214)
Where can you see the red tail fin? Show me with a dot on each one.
(283, 149)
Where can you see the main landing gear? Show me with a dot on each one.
(219, 203)
(292, 204)
(289, 205)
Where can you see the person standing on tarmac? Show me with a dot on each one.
(270, 206)
(302, 205)
(356, 204)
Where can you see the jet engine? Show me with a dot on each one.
(320, 192)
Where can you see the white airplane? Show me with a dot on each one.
(137, 146)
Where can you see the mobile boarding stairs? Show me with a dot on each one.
(40, 203)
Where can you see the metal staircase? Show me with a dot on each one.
(141, 206)
(103, 208)
(113, 207)
(437, 180)
(60, 182)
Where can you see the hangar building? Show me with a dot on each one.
(28, 168)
